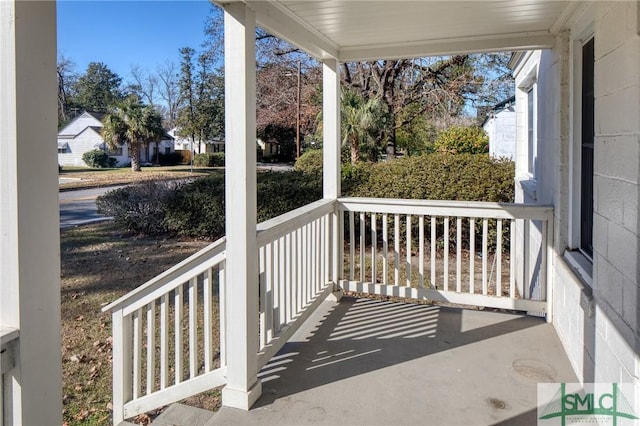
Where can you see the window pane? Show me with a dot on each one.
(586, 188)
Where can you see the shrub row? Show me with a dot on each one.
(209, 160)
(197, 209)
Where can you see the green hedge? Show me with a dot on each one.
(197, 209)
(310, 162)
(438, 176)
(463, 140)
(209, 160)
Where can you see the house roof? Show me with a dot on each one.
(97, 115)
(363, 30)
(500, 106)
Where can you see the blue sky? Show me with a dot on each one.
(124, 33)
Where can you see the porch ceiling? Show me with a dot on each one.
(350, 30)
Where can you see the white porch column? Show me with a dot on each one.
(331, 172)
(243, 386)
(29, 218)
(331, 128)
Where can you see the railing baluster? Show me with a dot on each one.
(137, 352)
(396, 249)
(208, 343)
(362, 246)
(446, 254)
(409, 256)
(421, 251)
(288, 289)
(433, 252)
(385, 248)
(299, 283)
(512, 258)
(472, 254)
(276, 288)
(263, 307)
(193, 332)
(269, 300)
(526, 280)
(459, 254)
(374, 243)
(499, 258)
(122, 363)
(295, 290)
(164, 341)
(352, 242)
(222, 303)
(151, 346)
(318, 246)
(178, 300)
(282, 287)
(485, 255)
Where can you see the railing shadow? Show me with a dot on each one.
(361, 336)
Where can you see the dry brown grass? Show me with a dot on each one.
(99, 264)
(82, 177)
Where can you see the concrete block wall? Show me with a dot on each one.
(598, 325)
(616, 191)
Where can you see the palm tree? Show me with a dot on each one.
(360, 120)
(132, 123)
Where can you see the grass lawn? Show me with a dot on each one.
(83, 177)
(99, 264)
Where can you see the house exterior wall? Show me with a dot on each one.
(595, 312)
(87, 140)
(501, 129)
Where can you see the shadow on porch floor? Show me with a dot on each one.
(374, 362)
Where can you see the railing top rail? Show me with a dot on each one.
(212, 250)
(8, 334)
(446, 208)
(278, 226)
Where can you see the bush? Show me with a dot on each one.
(437, 176)
(140, 207)
(463, 140)
(170, 159)
(209, 160)
(98, 159)
(310, 162)
(197, 209)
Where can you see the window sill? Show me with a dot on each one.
(529, 187)
(581, 265)
(583, 268)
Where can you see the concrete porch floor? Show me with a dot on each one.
(368, 362)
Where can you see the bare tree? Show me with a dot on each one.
(65, 70)
(145, 84)
(169, 91)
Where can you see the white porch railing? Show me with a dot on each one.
(448, 251)
(166, 346)
(175, 313)
(295, 260)
(8, 341)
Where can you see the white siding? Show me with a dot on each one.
(87, 140)
(501, 130)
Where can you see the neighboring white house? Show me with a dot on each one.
(187, 144)
(82, 134)
(578, 145)
(500, 125)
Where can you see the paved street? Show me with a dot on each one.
(79, 207)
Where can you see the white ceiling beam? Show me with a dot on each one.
(278, 21)
(505, 42)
